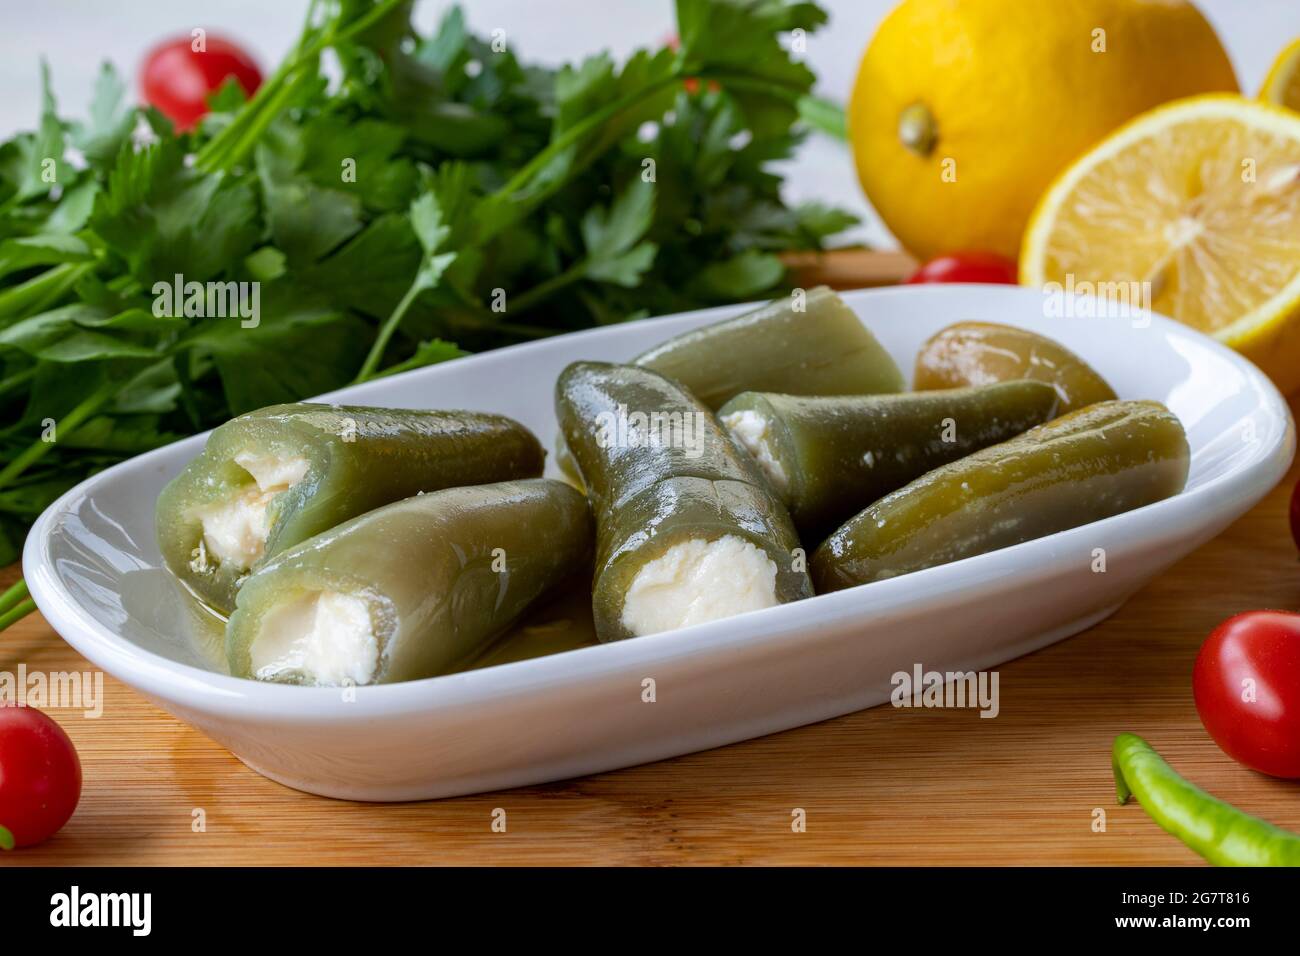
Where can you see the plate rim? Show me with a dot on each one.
(200, 689)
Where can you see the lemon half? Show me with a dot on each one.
(963, 111)
(1282, 85)
(1198, 204)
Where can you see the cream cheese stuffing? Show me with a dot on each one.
(235, 531)
(697, 581)
(324, 638)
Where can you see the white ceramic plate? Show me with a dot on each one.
(95, 572)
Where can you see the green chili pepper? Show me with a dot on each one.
(828, 457)
(820, 347)
(413, 589)
(1088, 465)
(272, 478)
(1216, 830)
(687, 530)
(980, 353)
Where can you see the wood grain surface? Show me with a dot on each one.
(882, 786)
(848, 268)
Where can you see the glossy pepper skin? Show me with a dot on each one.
(823, 350)
(646, 498)
(1099, 461)
(833, 456)
(980, 353)
(1216, 830)
(358, 458)
(443, 573)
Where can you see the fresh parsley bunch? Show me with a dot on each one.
(422, 191)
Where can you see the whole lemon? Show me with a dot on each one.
(964, 110)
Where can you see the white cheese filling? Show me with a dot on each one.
(751, 430)
(698, 581)
(271, 472)
(235, 531)
(323, 638)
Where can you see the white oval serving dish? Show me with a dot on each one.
(95, 572)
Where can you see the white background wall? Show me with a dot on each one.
(76, 35)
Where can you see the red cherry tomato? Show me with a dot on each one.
(177, 79)
(1247, 687)
(967, 267)
(1295, 514)
(40, 775)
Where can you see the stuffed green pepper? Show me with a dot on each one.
(806, 343)
(1093, 463)
(829, 457)
(687, 531)
(979, 353)
(274, 477)
(413, 589)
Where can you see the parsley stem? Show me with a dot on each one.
(17, 380)
(412, 362)
(549, 287)
(479, 323)
(19, 612)
(819, 113)
(231, 145)
(261, 120)
(40, 448)
(186, 399)
(210, 157)
(14, 596)
(386, 331)
(592, 121)
(30, 297)
(506, 194)
(825, 116)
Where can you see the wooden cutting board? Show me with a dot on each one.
(882, 786)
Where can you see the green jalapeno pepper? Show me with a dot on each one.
(819, 348)
(829, 457)
(980, 353)
(687, 530)
(412, 589)
(1216, 830)
(1096, 462)
(274, 477)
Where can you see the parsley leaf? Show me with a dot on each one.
(164, 218)
(111, 122)
(421, 196)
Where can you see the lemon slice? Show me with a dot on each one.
(1196, 207)
(1282, 85)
